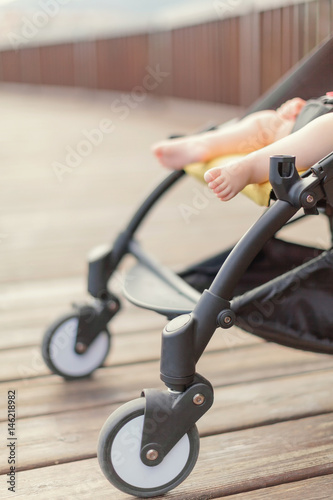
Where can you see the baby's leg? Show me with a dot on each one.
(309, 145)
(249, 134)
(177, 153)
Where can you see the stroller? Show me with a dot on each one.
(219, 292)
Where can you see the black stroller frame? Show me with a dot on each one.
(174, 412)
(164, 421)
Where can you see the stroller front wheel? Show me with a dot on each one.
(58, 349)
(119, 454)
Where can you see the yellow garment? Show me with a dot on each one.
(259, 193)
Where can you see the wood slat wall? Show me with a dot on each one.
(230, 60)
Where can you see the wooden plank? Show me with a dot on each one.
(317, 488)
(302, 22)
(255, 360)
(228, 464)
(275, 68)
(227, 59)
(20, 351)
(58, 438)
(209, 69)
(313, 24)
(11, 65)
(234, 35)
(34, 323)
(30, 65)
(57, 64)
(238, 407)
(85, 67)
(27, 362)
(249, 60)
(216, 75)
(135, 61)
(201, 49)
(42, 395)
(268, 401)
(265, 50)
(102, 69)
(160, 53)
(286, 38)
(288, 451)
(324, 21)
(28, 308)
(295, 47)
(189, 58)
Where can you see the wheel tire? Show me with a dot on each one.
(58, 349)
(119, 454)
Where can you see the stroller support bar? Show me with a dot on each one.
(249, 246)
(104, 260)
(154, 196)
(190, 333)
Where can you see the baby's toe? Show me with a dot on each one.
(226, 194)
(222, 186)
(212, 175)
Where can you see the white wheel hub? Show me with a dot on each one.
(126, 461)
(63, 354)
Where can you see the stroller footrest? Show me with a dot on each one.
(149, 289)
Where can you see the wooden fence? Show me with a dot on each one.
(231, 60)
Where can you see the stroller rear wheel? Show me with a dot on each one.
(119, 454)
(58, 349)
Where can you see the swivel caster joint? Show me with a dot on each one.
(93, 319)
(226, 318)
(169, 415)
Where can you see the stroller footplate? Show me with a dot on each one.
(152, 286)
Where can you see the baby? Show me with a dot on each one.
(258, 136)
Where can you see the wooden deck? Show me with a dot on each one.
(269, 434)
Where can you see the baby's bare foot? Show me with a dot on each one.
(227, 181)
(177, 153)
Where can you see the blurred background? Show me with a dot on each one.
(226, 51)
(87, 86)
